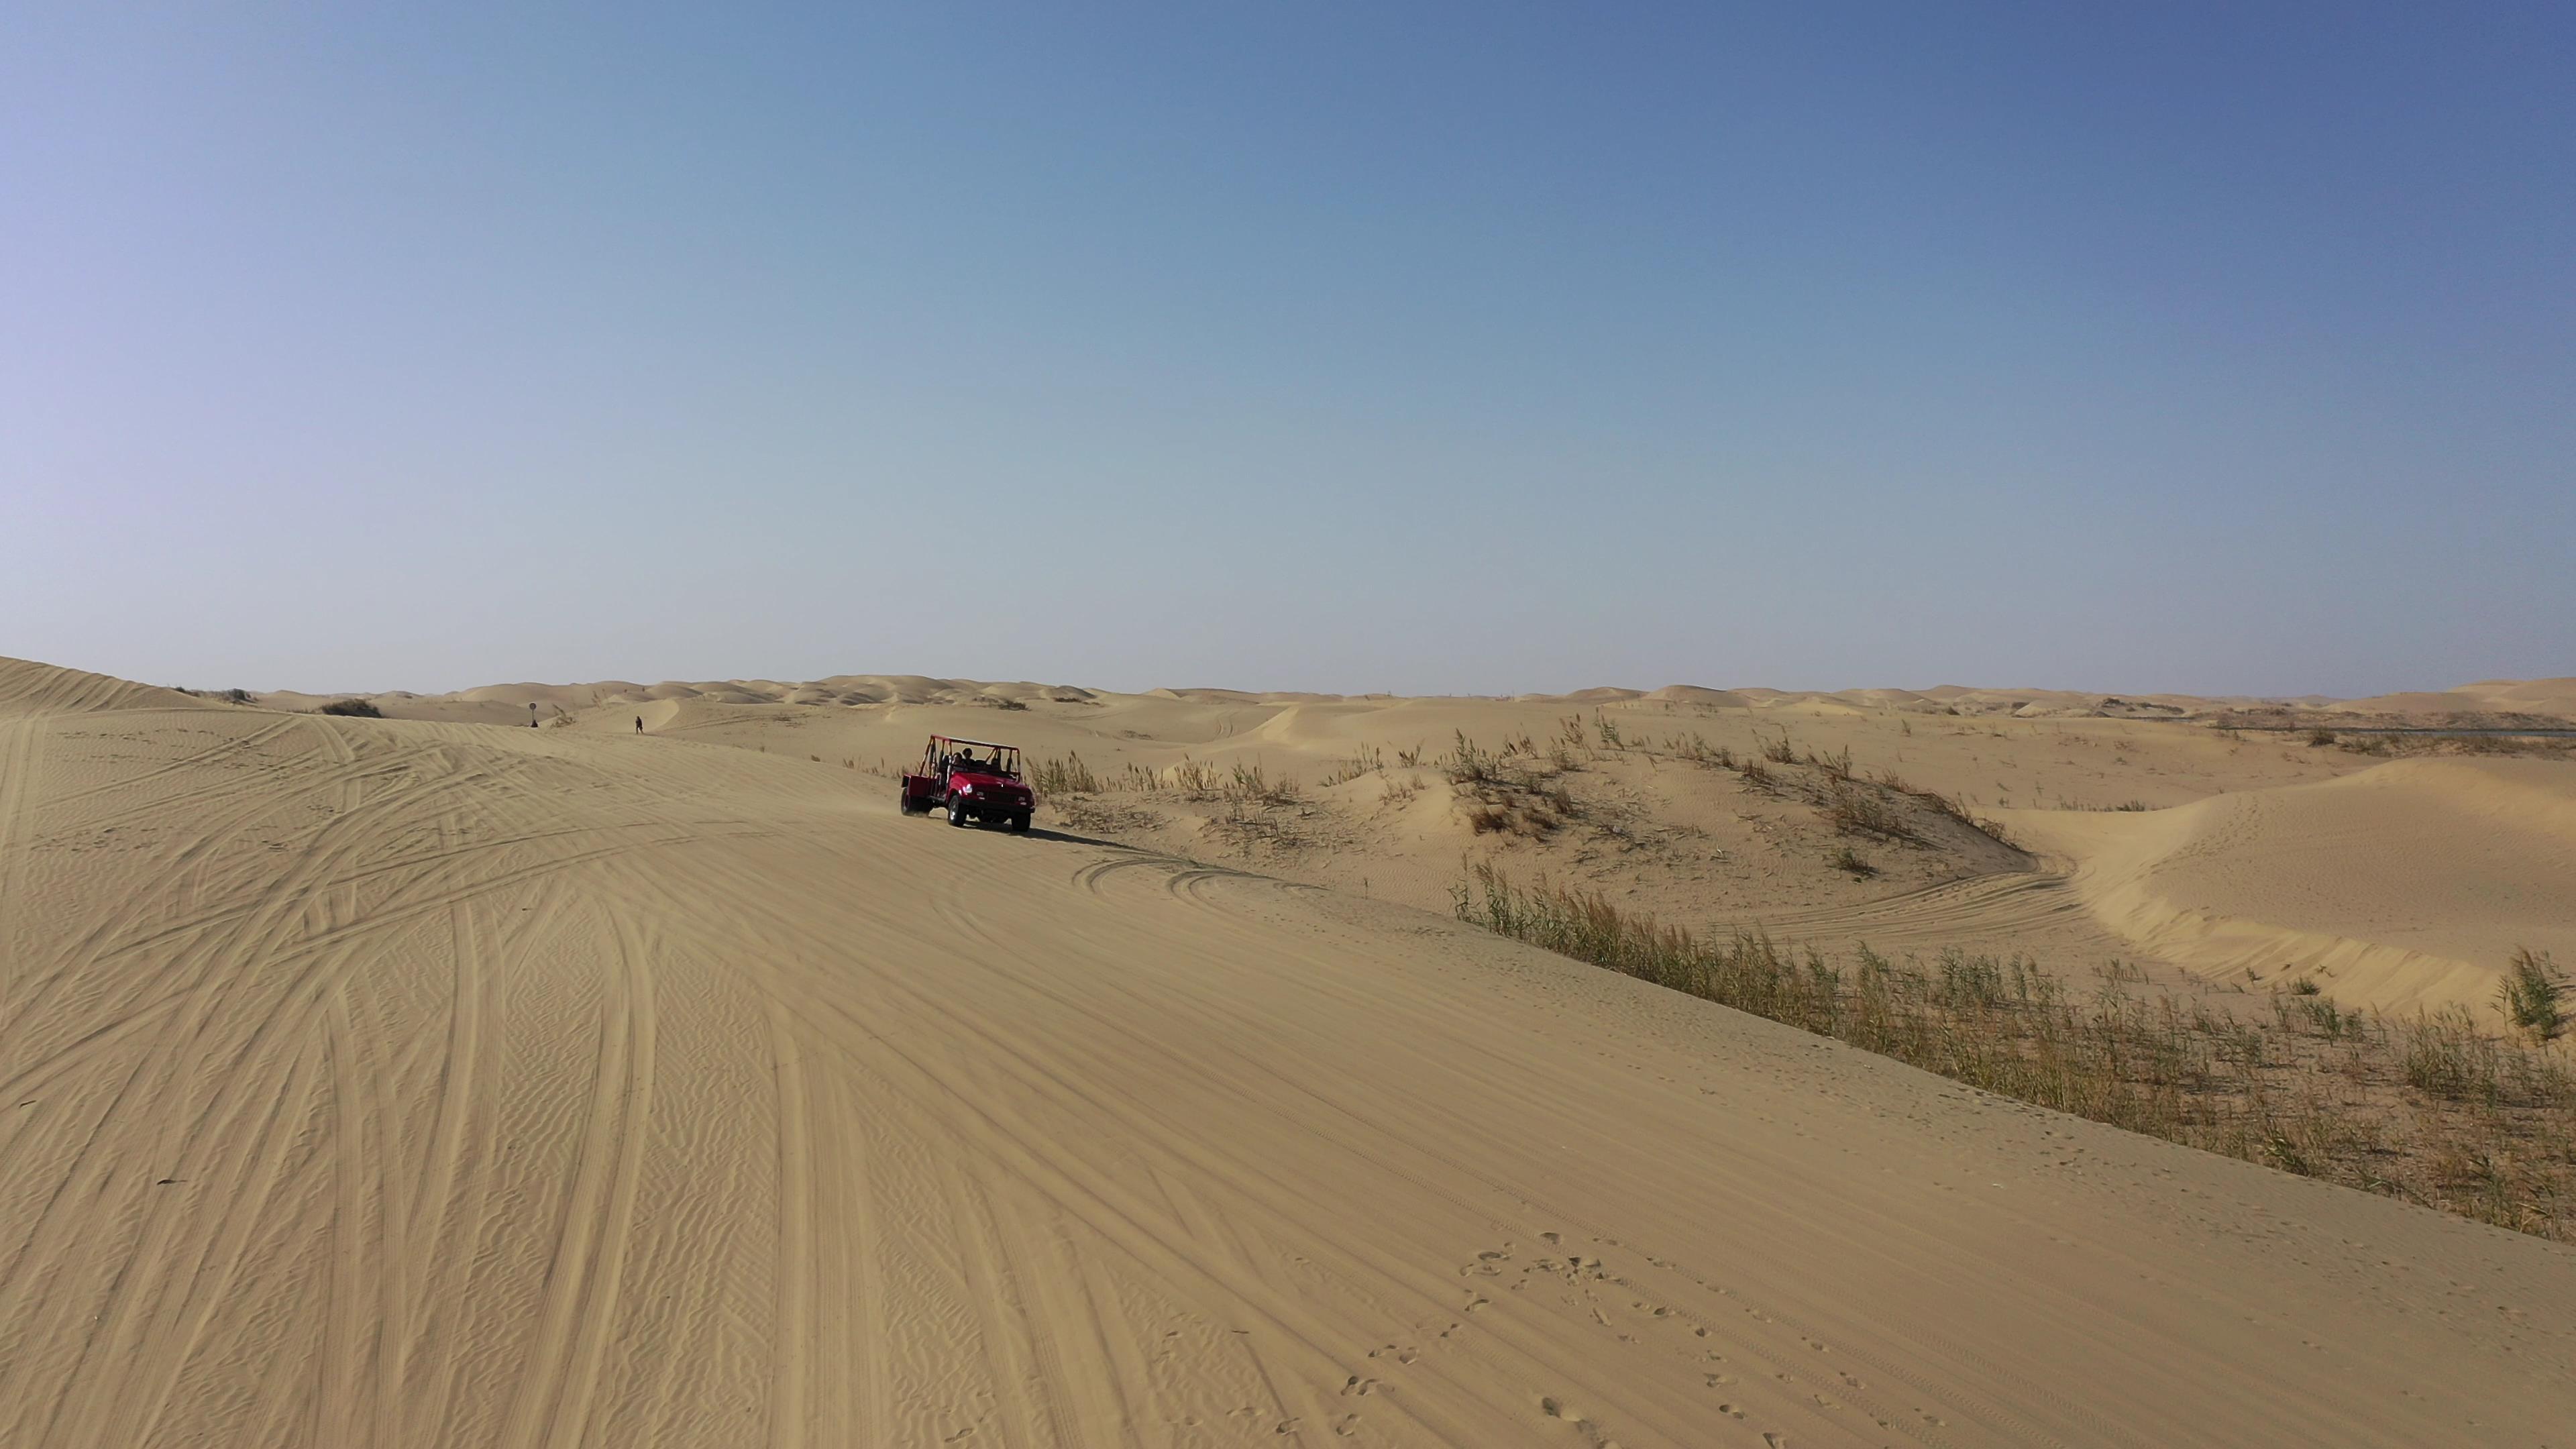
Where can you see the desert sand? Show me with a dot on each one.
(436, 1080)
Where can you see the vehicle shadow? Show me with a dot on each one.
(1040, 832)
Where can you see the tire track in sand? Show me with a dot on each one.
(790, 1403)
(156, 1087)
(557, 1392)
(353, 1260)
(18, 761)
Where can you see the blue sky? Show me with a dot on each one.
(2222, 348)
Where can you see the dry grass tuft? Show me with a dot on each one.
(1848, 859)
(1368, 761)
(2533, 994)
(1066, 776)
(2431, 1109)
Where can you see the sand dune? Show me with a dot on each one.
(419, 1082)
(2405, 885)
(2517, 696)
(31, 689)
(2415, 926)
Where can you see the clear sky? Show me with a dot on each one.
(1431, 348)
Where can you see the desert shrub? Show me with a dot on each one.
(2447, 1056)
(1250, 785)
(1780, 751)
(1859, 809)
(1066, 776)
(352, 708)
(1469, 764)
(1368, 761)
(1848, 859)
(1700, 752)
(2318, 738)
(1570, 744)
(2533, 994)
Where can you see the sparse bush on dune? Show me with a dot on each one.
(1193, 779)
(1855, 808)
(352, 708)
(1571, 745)
(2533, 994)
(1368, 760)
(1250, 785)
(2432, 1109)
(1066, 776)
(1469, 764)
(1700, 752)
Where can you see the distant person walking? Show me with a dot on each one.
(639, 724)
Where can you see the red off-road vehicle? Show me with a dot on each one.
(969, 786)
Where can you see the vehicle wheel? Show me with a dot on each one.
(902, 801)
(1020, 823)
(957, 810)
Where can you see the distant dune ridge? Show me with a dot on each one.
(435, 1080)
(2547, 702)
(2442, 954)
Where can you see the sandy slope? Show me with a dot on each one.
(421, 1083)
(2397, 883)
(2406, 885)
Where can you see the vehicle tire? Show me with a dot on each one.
(1020, 823)
(902, 800)
(957, 810)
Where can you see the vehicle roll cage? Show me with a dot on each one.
(1004, 759)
